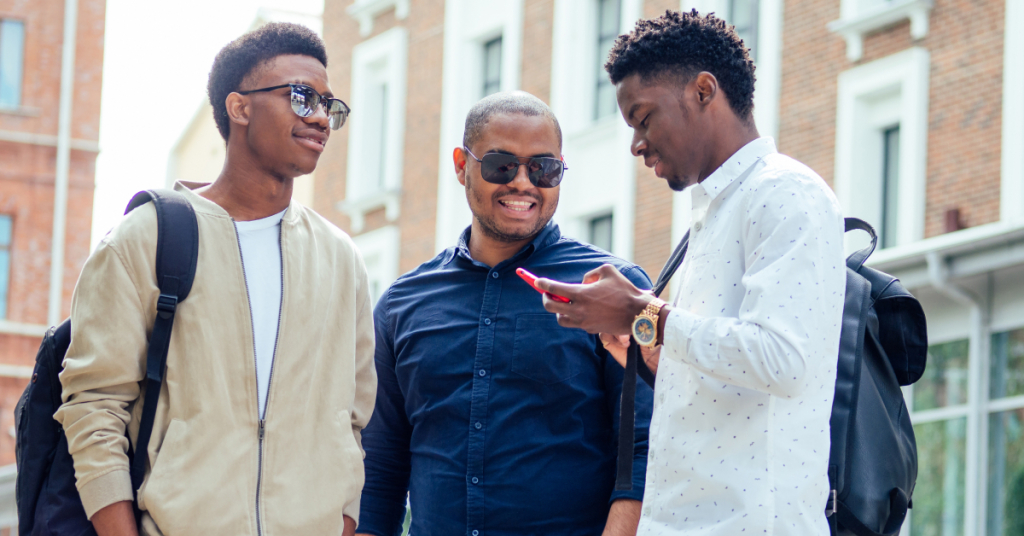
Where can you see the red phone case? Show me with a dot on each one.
(531, 280)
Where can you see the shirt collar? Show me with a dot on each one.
(737, 164)
(549, 235)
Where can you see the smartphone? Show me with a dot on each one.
(532, 279)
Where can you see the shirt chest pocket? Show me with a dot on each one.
(541, 351)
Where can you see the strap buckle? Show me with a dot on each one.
(166, 304)
(833, 499)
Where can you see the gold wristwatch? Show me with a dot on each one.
(645, 325)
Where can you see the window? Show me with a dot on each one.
(881, 144)
(890, 184)
(600, 232)
(743, 14)
(5, 262)
(377, 127)
(607, 30)
(940, 408)
(379, 249)
(492, 67)
(12, 56)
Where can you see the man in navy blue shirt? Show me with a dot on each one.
(492, 417)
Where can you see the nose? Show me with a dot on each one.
(320, 117)
(639, 144)
(521, 180)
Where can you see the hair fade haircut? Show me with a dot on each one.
(683, 45)
(505, 103)
(245, 55)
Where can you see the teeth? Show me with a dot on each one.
(518, 205)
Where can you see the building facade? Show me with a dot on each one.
(912, 110)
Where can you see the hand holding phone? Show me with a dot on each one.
(532, 279)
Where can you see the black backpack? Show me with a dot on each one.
(48, 501)
(883, 345)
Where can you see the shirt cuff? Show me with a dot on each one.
(352, 510)
(679, 328)
(105, 490)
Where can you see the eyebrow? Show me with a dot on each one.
(538, 155)
(632, 110)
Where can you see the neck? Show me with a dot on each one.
(489, 250)
(732, 138)
(246, 191)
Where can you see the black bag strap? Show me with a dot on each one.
(858, 258)
(177, 250)
(635, 366)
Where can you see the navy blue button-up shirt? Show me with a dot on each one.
(495, 419)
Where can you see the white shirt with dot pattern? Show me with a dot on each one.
(739, 441)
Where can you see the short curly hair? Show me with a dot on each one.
(684, 44)
(243, 56)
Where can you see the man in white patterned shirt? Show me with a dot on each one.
(739, 441)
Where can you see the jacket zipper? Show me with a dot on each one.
(273, 360)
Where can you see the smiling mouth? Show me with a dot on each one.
(321, 143)
(518, 206)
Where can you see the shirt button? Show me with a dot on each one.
(647, 511)
(475, 481)
(487, 321)
(698, 225)
(483, 372)
(494, 275)
(476, 533)
(478, 426)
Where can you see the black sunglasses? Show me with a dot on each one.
(305, 101)
(500, 168)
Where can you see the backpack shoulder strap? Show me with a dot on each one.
(858, 258)
(177, 251)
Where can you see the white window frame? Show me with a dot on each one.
(601, 178)
(905, 73)
(858, 20)
(366, 11)
(469, 24)
(1012, 181)
(380, 251)
(389, 48)
(768, 86)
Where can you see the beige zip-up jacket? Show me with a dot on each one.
(210, 470)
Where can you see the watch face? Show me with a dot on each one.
(644, 331)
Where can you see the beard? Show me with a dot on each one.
(505, 233)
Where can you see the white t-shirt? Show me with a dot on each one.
(260, 241)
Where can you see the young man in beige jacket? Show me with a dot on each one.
(270, 375)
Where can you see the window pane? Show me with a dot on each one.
(607, 32)
(601, 232)
(5, 231)
(1005, 474)
(944, 382)
(743, 15)
(890, 184)
(374, 133)
(492, 67)
(12, 44)
(939, 493)
(1007, 372)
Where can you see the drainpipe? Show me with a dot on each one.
(60, 186)
(977, 423)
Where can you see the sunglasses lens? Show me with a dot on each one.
(545, 172)
(499, 168)
(304, 101)
(338, 113)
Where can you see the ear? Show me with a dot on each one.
(459, 158)
(707, 88)
(238, 109)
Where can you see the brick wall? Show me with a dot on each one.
(28, 171)
(425, 25)
(965, 98)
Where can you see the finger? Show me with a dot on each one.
(565, 321)
(567, 290)
(623, 339)
(555, 306)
